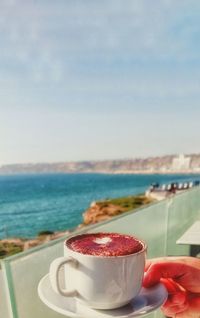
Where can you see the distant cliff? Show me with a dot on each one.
(105, 210)
(138, 165)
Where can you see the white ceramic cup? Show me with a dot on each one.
(101, 282)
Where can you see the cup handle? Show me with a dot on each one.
(54, 275)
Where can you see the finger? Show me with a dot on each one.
(170, 285)
(176, 303)
(157, 271)
(176, 294)
(151, 261)
(171, 311)
(178, 299)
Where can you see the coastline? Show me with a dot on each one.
(119, 172)
(97, 212)
(109, 172)
(150, 172)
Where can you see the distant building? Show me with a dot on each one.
(181, 163)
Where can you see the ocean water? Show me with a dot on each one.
(33, 203)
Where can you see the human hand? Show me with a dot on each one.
(181, 277)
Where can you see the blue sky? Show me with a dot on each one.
(83, 80)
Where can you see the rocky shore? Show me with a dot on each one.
(97, 212)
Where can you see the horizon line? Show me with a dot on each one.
(98, 160)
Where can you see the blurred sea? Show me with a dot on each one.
(33, 203)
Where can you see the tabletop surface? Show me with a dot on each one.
(191, 235)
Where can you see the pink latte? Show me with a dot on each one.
(105, 244)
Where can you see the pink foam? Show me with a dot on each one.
(105, 244)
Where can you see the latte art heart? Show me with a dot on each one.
(105, 244)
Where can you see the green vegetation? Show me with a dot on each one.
(44, 233)
(8, 249)
(128, 203)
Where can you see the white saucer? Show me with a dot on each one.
(148, 300)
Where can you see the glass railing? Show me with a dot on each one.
(159, 224)
(4, 310)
